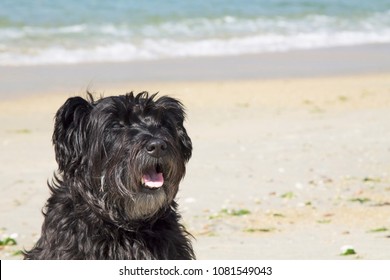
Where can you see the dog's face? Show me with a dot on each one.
(126, 153)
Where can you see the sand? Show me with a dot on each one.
(103, 77)
(282, 168)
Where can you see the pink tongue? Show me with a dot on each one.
(153, 179)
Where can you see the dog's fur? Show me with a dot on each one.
(100, 207)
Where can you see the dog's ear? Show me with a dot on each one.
(185, 141)
(176, 108)
(70, 133)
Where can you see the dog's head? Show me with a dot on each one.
(126, 154)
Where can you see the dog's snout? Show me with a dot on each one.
(156, 147)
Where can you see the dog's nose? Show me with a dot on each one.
(156, 147)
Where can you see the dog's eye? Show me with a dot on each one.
(117, 125)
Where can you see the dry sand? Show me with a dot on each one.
(281, 169)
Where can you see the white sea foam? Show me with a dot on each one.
(194, 37)
(162, 48)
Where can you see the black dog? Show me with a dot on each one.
(120, 163)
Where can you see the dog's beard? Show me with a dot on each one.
(144, 185)
(145, 205)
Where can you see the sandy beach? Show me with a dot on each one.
(293, 165)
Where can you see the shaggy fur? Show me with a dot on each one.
(102, 206)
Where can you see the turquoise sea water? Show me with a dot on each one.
(70, 31)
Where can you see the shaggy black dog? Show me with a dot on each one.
(120, 163)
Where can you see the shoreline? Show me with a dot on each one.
(19, 81)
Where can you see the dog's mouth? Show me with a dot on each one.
(153, 177)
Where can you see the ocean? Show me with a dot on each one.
(38, 32)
